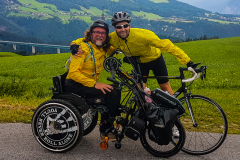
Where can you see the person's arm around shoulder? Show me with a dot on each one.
(75, 69)
(76, 49)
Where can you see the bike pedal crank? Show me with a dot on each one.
(104, 144)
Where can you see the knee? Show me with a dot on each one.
(166, 87)
(114, 93)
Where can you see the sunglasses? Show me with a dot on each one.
(120, 26)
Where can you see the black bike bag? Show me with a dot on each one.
(161, 97)
(161, 121)
(135, 127)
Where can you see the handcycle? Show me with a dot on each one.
(60, 123)
(204, 121)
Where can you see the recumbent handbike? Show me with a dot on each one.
(60, 123)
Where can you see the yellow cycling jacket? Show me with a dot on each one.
(147, 45)
(82, 69)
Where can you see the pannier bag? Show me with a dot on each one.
(161, 97)
(135, 127)
(161, 122)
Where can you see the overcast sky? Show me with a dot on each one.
(220, 6)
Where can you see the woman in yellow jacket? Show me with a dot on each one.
(84, 72)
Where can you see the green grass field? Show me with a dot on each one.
(149, 16)
(24, 80)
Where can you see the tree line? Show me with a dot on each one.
(200, 38)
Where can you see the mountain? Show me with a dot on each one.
(61, 21)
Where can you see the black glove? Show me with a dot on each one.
(191, 64)
(74, 49)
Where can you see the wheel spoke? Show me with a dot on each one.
(211, 128)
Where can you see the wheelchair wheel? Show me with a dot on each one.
(57, 125)
(89, 121)
(164, 151)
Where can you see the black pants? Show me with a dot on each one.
(112, 99)
(158, 67)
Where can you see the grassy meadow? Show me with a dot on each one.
(24, 80)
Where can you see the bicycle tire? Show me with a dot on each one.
(57, 125)
(212, 127)
(89, 122)
(164, 151)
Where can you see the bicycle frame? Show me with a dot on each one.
(113, 66)
(182, 89)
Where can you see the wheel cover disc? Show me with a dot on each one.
(56, 127)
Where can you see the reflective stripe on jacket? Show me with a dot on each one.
(147, 45)
(81, 69)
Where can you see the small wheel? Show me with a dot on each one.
(164, 151)
(211, 129)
(118, 145)
(111, 62)
(104, 145)
(57, 125)
(89, 121)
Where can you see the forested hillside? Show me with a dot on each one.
(60, 21)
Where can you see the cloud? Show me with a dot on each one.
(220, 6)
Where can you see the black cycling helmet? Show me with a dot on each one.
(99, 23)
(120, 17)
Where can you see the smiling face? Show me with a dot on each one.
(98, 36)
(122, 29)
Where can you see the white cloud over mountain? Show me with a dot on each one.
(220, 6)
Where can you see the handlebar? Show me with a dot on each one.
(194, 76)
(196, 72)
(113, 80)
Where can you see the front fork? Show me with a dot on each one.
(187, 96)
(187, 99)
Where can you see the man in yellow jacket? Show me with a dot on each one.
(84, 72)
(148, 46)
(145, 44)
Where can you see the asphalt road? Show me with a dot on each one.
(17, 142)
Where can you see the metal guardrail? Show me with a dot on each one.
(33, 45)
